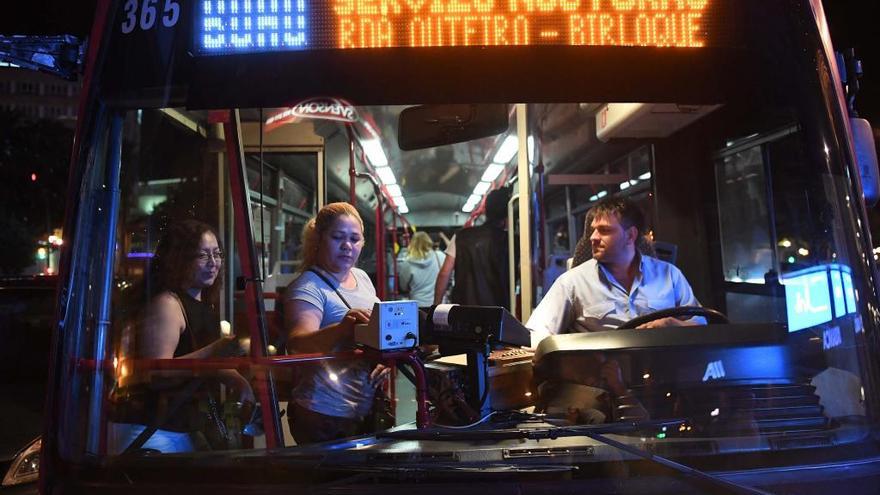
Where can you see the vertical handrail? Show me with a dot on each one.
(96, 438)
(394, 287)
(542, 223)
(511, 246)
(352, 172)
(253, 294)
(380, 246)
(525, 237)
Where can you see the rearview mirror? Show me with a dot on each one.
(426, 126)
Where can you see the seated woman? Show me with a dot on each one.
(322, 306)
(418, 273)
(181, 321)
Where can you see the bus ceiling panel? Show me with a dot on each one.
(456, 75)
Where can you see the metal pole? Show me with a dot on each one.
(352, 173)
(396, 284)
(253, 293)
(572, 227)
(511, 248)
(525, 234)
(96, 438)
(380, 248)
(542, 226)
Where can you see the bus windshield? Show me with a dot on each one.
(216, 276)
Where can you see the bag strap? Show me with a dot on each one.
(330, 284)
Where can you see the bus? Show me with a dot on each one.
(726, 121)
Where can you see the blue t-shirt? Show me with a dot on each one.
(335, 388)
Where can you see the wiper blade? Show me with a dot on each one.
(539, 433)
(681, 468)
(594, 432)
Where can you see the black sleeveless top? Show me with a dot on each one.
(202, 325)
(143, 403)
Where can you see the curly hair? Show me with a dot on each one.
(174, 265)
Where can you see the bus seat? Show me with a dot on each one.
(666, 251)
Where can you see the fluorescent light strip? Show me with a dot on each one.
(492, 172)
(481, 188)
(394, 190)
(375, 153)
(386, 175)
(506, 151)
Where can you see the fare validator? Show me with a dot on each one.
(393, 325)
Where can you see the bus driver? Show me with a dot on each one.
(616, 285)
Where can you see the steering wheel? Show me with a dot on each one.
(712, 316)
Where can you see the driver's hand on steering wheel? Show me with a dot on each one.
(669, 321)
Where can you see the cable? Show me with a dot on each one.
(478, 422)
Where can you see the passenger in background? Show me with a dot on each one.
(418, 272)
(617, 284)
(480, 259)
(323, 304)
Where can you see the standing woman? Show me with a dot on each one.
(418, 273)
(180, 321)
(322, 306)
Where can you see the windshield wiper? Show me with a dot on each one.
(594, 432)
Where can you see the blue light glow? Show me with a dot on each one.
(849, 293)
(244, 26)
(837, 289)
(807, 300)
(809, 295)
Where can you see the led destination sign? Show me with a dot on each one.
(241, 26)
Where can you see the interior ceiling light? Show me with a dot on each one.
(375, 153)
(468, 207)
(481, 188)
(507, 150)
(403, 209)
(492, 172)
(386, 175)
(394, 190)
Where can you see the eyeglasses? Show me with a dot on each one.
(204, 256)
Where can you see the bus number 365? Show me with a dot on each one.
(148, 14)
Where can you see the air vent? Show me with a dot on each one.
(549, 452)
(413, 456)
